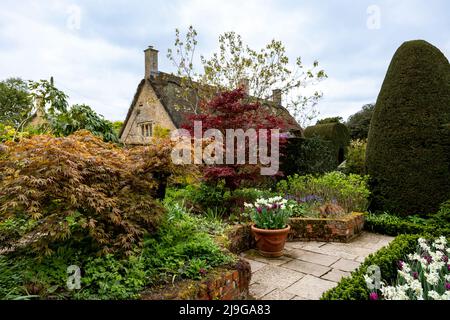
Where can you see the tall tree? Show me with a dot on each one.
(359, 123)
(230, 111)
(264, 70)
(15, 101)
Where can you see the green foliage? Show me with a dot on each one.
(407, 152)
(110, 278)
(80, 117)
(336, 133)
(356, 158)
(117, 126)
(180, 250)
(349, 191)
(199, 197)
(359, 123)
(8, 133)
(330, 120)
(83, 189)
(15, 101)
(354, 287)
(385, 223)
(51, 100)
(442, 217)
(308, 156)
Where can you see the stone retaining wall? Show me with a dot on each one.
(222, 284)
(343, 229)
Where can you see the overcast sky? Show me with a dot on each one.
(94, 48)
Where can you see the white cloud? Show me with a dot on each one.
(81, 66)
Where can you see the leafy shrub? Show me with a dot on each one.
(82, 189)
(8, 133)
(199, 197)
(407, 151)
(180, 250)
(442, 217)
(183, 247)
(393, 225)
(349, 191)
(356, 158)
(80, 117)
(307, 156)
(354, 287)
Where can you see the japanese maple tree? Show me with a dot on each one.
(235, 110)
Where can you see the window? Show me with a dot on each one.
(146, 129)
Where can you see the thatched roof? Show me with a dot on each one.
(167, 89)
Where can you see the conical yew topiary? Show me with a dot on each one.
(408, 152)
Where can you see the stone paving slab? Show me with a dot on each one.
(278, 294)
(310, 287)
(312, 257)
(335, 275)
(308, 269)
(276, 277)
(346, 265)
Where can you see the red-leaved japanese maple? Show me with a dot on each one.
(235, 110)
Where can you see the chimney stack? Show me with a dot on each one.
(245, 84)
(276, 96)
(151, 62)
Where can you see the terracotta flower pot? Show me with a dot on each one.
(270, 243)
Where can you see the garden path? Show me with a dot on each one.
(308, 269)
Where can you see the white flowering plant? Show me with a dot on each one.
(271, 213)
(424, 275)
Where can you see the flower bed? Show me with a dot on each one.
(423, 275)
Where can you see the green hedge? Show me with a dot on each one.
(307, 156)
(336, 133)
(408, 154)
(393, 225)
(354, 287)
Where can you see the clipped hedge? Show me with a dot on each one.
(308, 156)
(336, 133)
(408, 154)
(354, 287)
(393, 226)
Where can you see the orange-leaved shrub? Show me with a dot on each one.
(81, 189)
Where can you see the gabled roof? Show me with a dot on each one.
(167, 89)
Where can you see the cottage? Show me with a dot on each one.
(157, 102)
